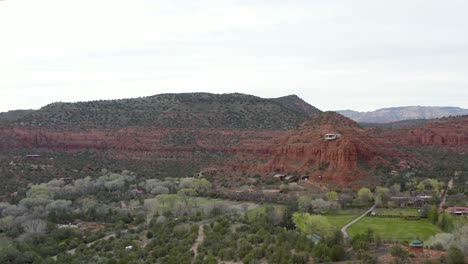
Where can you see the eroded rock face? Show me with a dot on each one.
(302, 150)
(306, 151)
(447, 133)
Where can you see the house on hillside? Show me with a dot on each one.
(279, 176)
(291, 178)
(332, 136)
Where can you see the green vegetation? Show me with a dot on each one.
(249, 241)
(201, 110)
(313, 224)
(123, 218)
(397, 211)
(396, 229)
(339, 221)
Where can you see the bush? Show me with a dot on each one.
(149, 234)
(455, 256)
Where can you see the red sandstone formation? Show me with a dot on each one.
(446, 133)
(301, 150)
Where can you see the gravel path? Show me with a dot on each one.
(198, 242)
(343, 230)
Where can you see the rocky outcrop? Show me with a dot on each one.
(447, 133)
(303, 150)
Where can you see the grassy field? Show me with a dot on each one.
(339, 221)
(396, 229)
(339, 218)
(397, 211)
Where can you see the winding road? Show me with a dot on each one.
(343, 230)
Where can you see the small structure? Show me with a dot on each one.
(279, 176)
(305, 177)
(124, 205)
(416, 244)
(402, 201)
(331, 136)
(69, 225)
(67, 180)
(457, 210)
(128, 248)
(291, 178)
(422, 200)
(32, 156)
(316, 239)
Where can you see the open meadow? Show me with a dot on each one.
(396, 229)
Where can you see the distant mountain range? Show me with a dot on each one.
(395, 114)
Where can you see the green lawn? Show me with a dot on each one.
(339, 221)
(396, 229)
(397, 211)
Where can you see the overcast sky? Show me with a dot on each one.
(359, 55)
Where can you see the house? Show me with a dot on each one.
(457, 210)
(291, 178)
(31, 156)
(331, 136)
(422, 200)
(279, 176)
(402, 201)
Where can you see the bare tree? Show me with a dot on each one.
(35, 226)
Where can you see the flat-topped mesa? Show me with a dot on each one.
(188, 110)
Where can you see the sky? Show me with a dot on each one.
(360, 55)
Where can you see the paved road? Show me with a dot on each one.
(343, 230)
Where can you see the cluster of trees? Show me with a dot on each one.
(249, 241)
(30, 222)
(313, 224)
(331, 248)
(309, 204)
(361, 243)
(457, 238)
